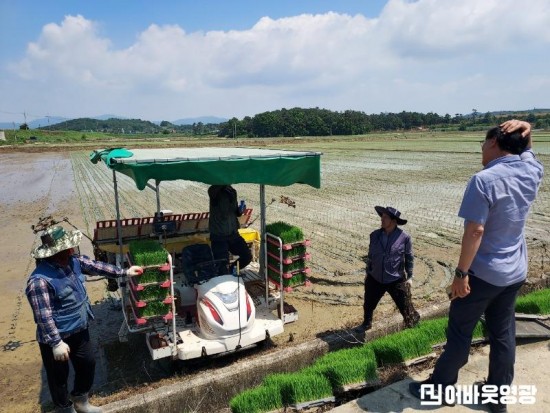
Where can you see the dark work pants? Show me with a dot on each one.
(498, 304)
(57, 372)
(400, 292)
(234, 244)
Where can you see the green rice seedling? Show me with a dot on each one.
(288, 233)
(152, 292)
(153, 309)
(147, 252)
(153, 275)
(257, 400)
(349, 366)
(293, 266)
(297, 279)
(401, 346)
(537, 302)
(356, 365)
(296, 251)
(479, 331)
(300, 387)
(434, 329)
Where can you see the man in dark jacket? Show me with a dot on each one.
(62, 311)
(224, 225)
(389, 268)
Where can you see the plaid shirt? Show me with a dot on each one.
(40, 295)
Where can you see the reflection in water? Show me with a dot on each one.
(32, 177)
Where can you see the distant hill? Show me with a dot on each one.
(111, 125)
(204, 119)
(130, 126)
(105, 117)
(47, 121)
(9, 125)
(56, 120)
(519, 112)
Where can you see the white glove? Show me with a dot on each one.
(410, 282)
(61, 351)
(134, 270)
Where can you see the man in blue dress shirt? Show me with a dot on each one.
(493, 259)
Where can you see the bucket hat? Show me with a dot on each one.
(55, 239)
(392, 213)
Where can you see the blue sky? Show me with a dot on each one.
(167, 60)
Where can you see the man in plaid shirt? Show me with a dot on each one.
(61, 310)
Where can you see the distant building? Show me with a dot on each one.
(2, 135)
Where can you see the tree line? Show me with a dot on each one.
(298, 122)
(322, 122)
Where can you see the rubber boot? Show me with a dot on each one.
(82, 405)
(68, 409)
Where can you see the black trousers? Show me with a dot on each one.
(400, 292)
(57, 372)
(234, 244)
(498, 304)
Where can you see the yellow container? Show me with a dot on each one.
(249, 234)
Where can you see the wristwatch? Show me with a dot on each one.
(461, 274)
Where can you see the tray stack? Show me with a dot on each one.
(149, 293)
(287, 255)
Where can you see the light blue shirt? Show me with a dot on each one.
(499, 198)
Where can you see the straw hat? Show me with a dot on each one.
(55, 239)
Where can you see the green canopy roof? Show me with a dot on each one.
(215, 166)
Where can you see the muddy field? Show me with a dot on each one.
(423, 177)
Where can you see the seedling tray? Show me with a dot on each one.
(288, 283)
(147, 253)
(273, 272)
(290, 260)
(286, 232)
(287, 247)
(144, 320)
(151, 273)
(149, 292)
(151, 309)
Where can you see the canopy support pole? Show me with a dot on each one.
(157, 191)
(118, 222)
(263, 272)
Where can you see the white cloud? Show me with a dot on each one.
(425, 55)
(444, 27)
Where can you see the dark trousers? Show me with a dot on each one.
(400, 292)
(498, 304)
(234, 244)
(57, 372)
